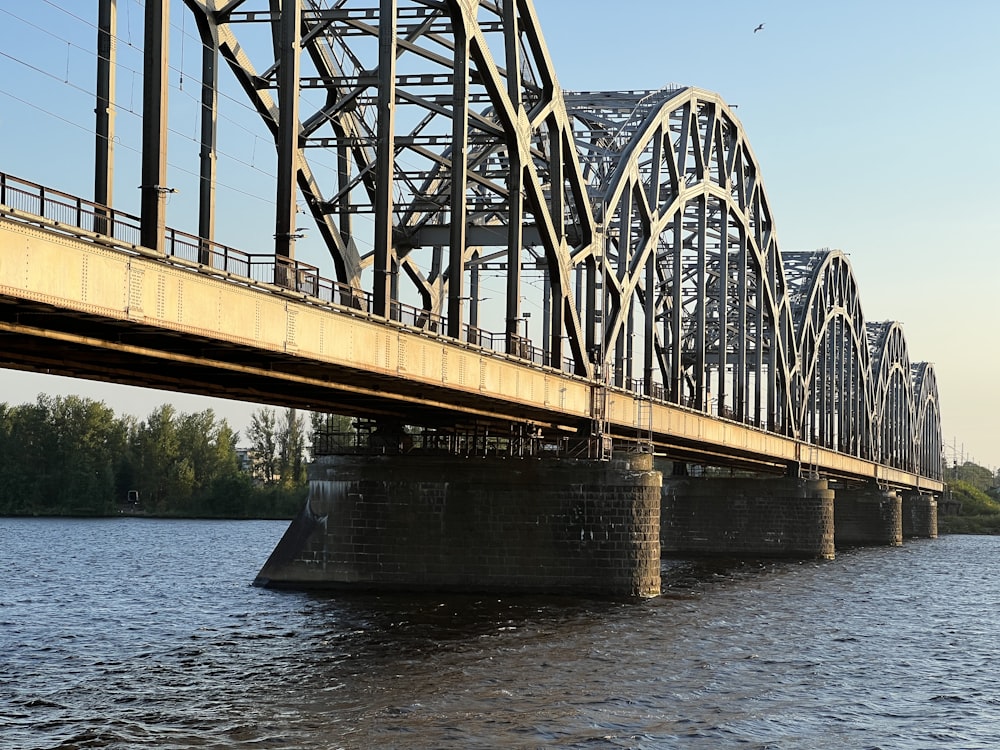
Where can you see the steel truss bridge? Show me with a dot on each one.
(633, 224)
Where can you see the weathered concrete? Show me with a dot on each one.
(867, 516)
(743, 517)
(475, 524)
(920, 514)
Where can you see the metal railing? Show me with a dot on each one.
(71, 211)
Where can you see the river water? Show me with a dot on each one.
(133, 633)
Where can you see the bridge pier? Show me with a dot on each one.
(432, 522)
(920, 513)
(868, 516)
(747, 517)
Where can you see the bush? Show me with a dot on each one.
(980, 514)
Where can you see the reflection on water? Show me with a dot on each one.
(140, 633)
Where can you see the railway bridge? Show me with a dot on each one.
(563, 318)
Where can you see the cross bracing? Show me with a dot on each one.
(634, 223)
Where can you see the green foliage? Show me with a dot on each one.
(263, 445)
(291, 449)
(73, 456)
(974, 501)
(277, 447)
(973, 474)
(980, 513)
(58, 455)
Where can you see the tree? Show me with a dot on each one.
(291, 449)
(263, 445)
(89, 442)
(60, 455)
(978, 476)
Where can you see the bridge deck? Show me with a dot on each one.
(81, 304)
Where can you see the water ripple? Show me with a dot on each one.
(136, 633)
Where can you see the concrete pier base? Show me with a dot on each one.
(740, 517)
(422, 522)
(867, 516)
(920, 514)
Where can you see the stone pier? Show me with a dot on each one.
(867, 516)
(434, 522)
(744, 517)
(920, 513)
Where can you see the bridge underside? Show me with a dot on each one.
(46, 339)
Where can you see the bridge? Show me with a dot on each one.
(645, 314)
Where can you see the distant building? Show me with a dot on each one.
(244, 458)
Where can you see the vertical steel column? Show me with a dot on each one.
(385, 155)
(701, 322)
(772, 352)
(553, 353)
(721, 389)
(474, 295)
(209, 120)
(843, 430)
(828, 389)
(104, 159)
(515, 183)
(459, 176)
(740, 365)
(289, 37)
(629, 373)
(758, 358)
(593, 287)
(622, 352)
(561, 307)
(649, 322)
(153, 198)
(676, 318)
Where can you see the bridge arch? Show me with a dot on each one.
(895, 416)
(692, 275)
(929, 445)
(642, 214)
(833, 366)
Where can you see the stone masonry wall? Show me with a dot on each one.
(920, 514)
(743, 517)
(475, 524)
(867, 516)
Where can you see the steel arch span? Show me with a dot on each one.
(895, 403)
(833, 363)
(690, 267)
(928, 440)
(627, 233)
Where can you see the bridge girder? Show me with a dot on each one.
(644, 211)
(642, 215)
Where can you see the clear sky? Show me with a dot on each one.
(873, 122)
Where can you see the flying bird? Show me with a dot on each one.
(760, 27)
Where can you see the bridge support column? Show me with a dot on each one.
(868, 516)
(742, 517)
(920, 513)
(424, 522)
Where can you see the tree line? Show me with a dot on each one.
(75, 456)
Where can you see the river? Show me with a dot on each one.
(135, 633)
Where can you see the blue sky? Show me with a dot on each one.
(873, 123)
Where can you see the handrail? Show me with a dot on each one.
(70, 210)
(295, 275)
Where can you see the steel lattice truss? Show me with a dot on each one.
(638, 217)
